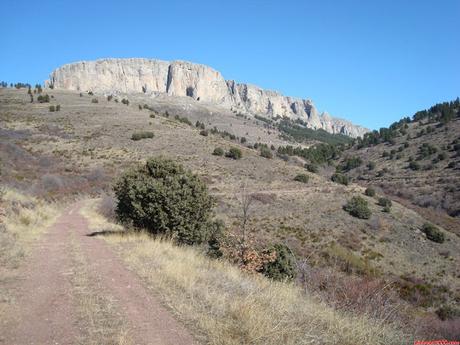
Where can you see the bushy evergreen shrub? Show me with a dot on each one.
(283, 267)
(43, 98)
(266, 153)
(384, 202)
(313, 168)
(218, 151)
(302, 178)
(358, 207)
(164, 198)
(142, 135)
(340, 178)
(369, 191)
(433, 233)
(234, 153)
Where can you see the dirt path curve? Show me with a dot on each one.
(47, 315)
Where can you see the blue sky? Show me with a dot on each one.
(371, 62)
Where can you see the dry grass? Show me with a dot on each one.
(22, 220)
(229, 307)
(25, 218)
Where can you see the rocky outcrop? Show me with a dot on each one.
(200, 82)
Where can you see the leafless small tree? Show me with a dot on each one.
(246, 200)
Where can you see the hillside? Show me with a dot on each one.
(82, 148)
(415, 161)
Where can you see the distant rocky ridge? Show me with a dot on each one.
(200, 82)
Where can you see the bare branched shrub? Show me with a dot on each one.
(372, 297)
(96, 174)
(107, 207)
(51, 183)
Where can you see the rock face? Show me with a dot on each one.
(200, 82)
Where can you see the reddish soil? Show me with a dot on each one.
(45, 310)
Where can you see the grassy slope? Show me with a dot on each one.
(228, 306)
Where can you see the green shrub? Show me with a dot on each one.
(164, 198)
(302, 178)
(243, 140)
(447, 312)
(183, 120)
(283, 267)
(358, 207)
(58, 107)
(384, 202)
(43, 98)
(94, 100)
(52, 108)
(313, 168)
(369, 191)
(266, 153)
(141, 135)
(340, 178)
(234, 153)
(218, 151)
(125, 101)
(152, 115)
(433, 233)
(204, 132)
(215, 238)
(414, 166)
(371, 165)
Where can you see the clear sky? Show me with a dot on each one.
(371, 62)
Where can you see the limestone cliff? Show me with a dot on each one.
(200, 82)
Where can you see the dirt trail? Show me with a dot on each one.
(46, 310)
